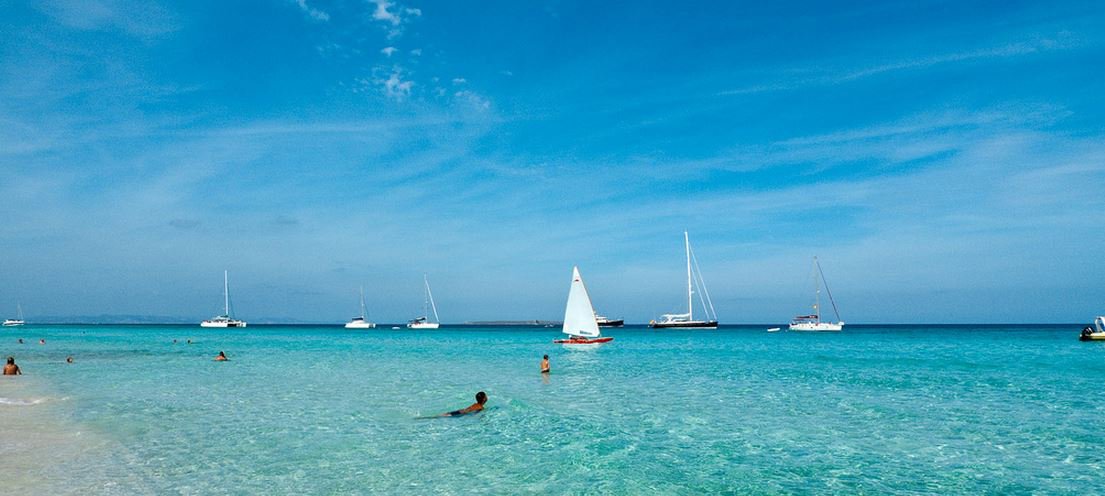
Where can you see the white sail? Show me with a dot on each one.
(579, 315)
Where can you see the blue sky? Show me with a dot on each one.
(945, 160)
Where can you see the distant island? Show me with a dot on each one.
(539, 323)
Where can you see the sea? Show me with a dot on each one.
(950, 409)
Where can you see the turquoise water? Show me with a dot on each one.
(876, 410)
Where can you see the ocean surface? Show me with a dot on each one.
(325, 410)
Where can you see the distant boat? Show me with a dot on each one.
(608, 322)
(579, 318)
(424, 322)
(224, 320)
(1095, 333)
(686, 320)
(360, 322)
(774, 329)
(812, 322)
(18, 321)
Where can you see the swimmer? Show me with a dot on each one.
(481, 398)
(69, 359)
(222, 357)
(41, 341)
(20, 340)
(11, 368)
(174, 341)
(545, 365)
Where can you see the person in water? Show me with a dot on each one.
(41, 341)
(545, 365)
(69, 359)
(11, 368)
(20, 340)
(222, 357)
(481, 398)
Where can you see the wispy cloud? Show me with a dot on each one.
(396, 88)
(388, 51)
(137, 18)
(312, 12)
(838, 76)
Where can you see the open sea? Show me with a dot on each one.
(325, 410)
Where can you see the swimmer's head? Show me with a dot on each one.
(481, 397)
(11, 360)
(546, 357)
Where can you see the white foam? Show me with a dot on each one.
(21, 402)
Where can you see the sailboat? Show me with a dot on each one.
(694, 279)
(812, 322)
(579, 318)
(424, 322)
(360, 322)
(16, 321)
(224, 320)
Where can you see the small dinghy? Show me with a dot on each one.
(774, 329)
(579, 318)
(1095, 332)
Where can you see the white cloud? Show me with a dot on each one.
(395, 87)
(459, 80)
(314, 13)
(414, 12)
(389, 50)
(416, 52)
(471, 98)
(383, 14)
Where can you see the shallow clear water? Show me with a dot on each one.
(878, 410)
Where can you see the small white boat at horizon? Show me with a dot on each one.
(224, 320)
(18, 321)
(424, 322)
(812, 322)
(360, 322)
(580, 323)
(686, 320)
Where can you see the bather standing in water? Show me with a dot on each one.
(11, 368)
(545, 365)
(221, 358)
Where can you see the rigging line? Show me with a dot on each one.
(705, 291)
(830, 293)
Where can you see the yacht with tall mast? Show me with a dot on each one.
(694, 280)
(360, 322)
(18, 321)
(812, 322)
(226, 319)
(580, 323)
(424, 321)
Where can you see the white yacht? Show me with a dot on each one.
(360, 322)
(1095, 332)
(18, 321)
(694, 279)
(424, 321)
(812, 322)
(224, 320)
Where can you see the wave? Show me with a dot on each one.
(21, 402)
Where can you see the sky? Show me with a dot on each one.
(943, 159)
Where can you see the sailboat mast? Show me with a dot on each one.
(817, 293)
(226, 294)
(362, 303)
(430, 296)
(690, 302)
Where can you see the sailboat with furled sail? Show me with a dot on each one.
(423, 322)
(18, 321)
(360, 322)
(224, 320)
(694, 279)
(812, 322)
(579, 318)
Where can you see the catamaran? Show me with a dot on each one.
(224, 320)
(694, 279)
(360, 322)
(1095, 333)
(579, 318)
(18, 321)
(812, 322)
(424, 322)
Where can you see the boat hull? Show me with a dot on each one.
(1095, 336)
(611, 323)
(222, 324)
(693, 324)
(424, 325)
(13, 323)
(581, 343)
(360, 325)
(816, 327)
